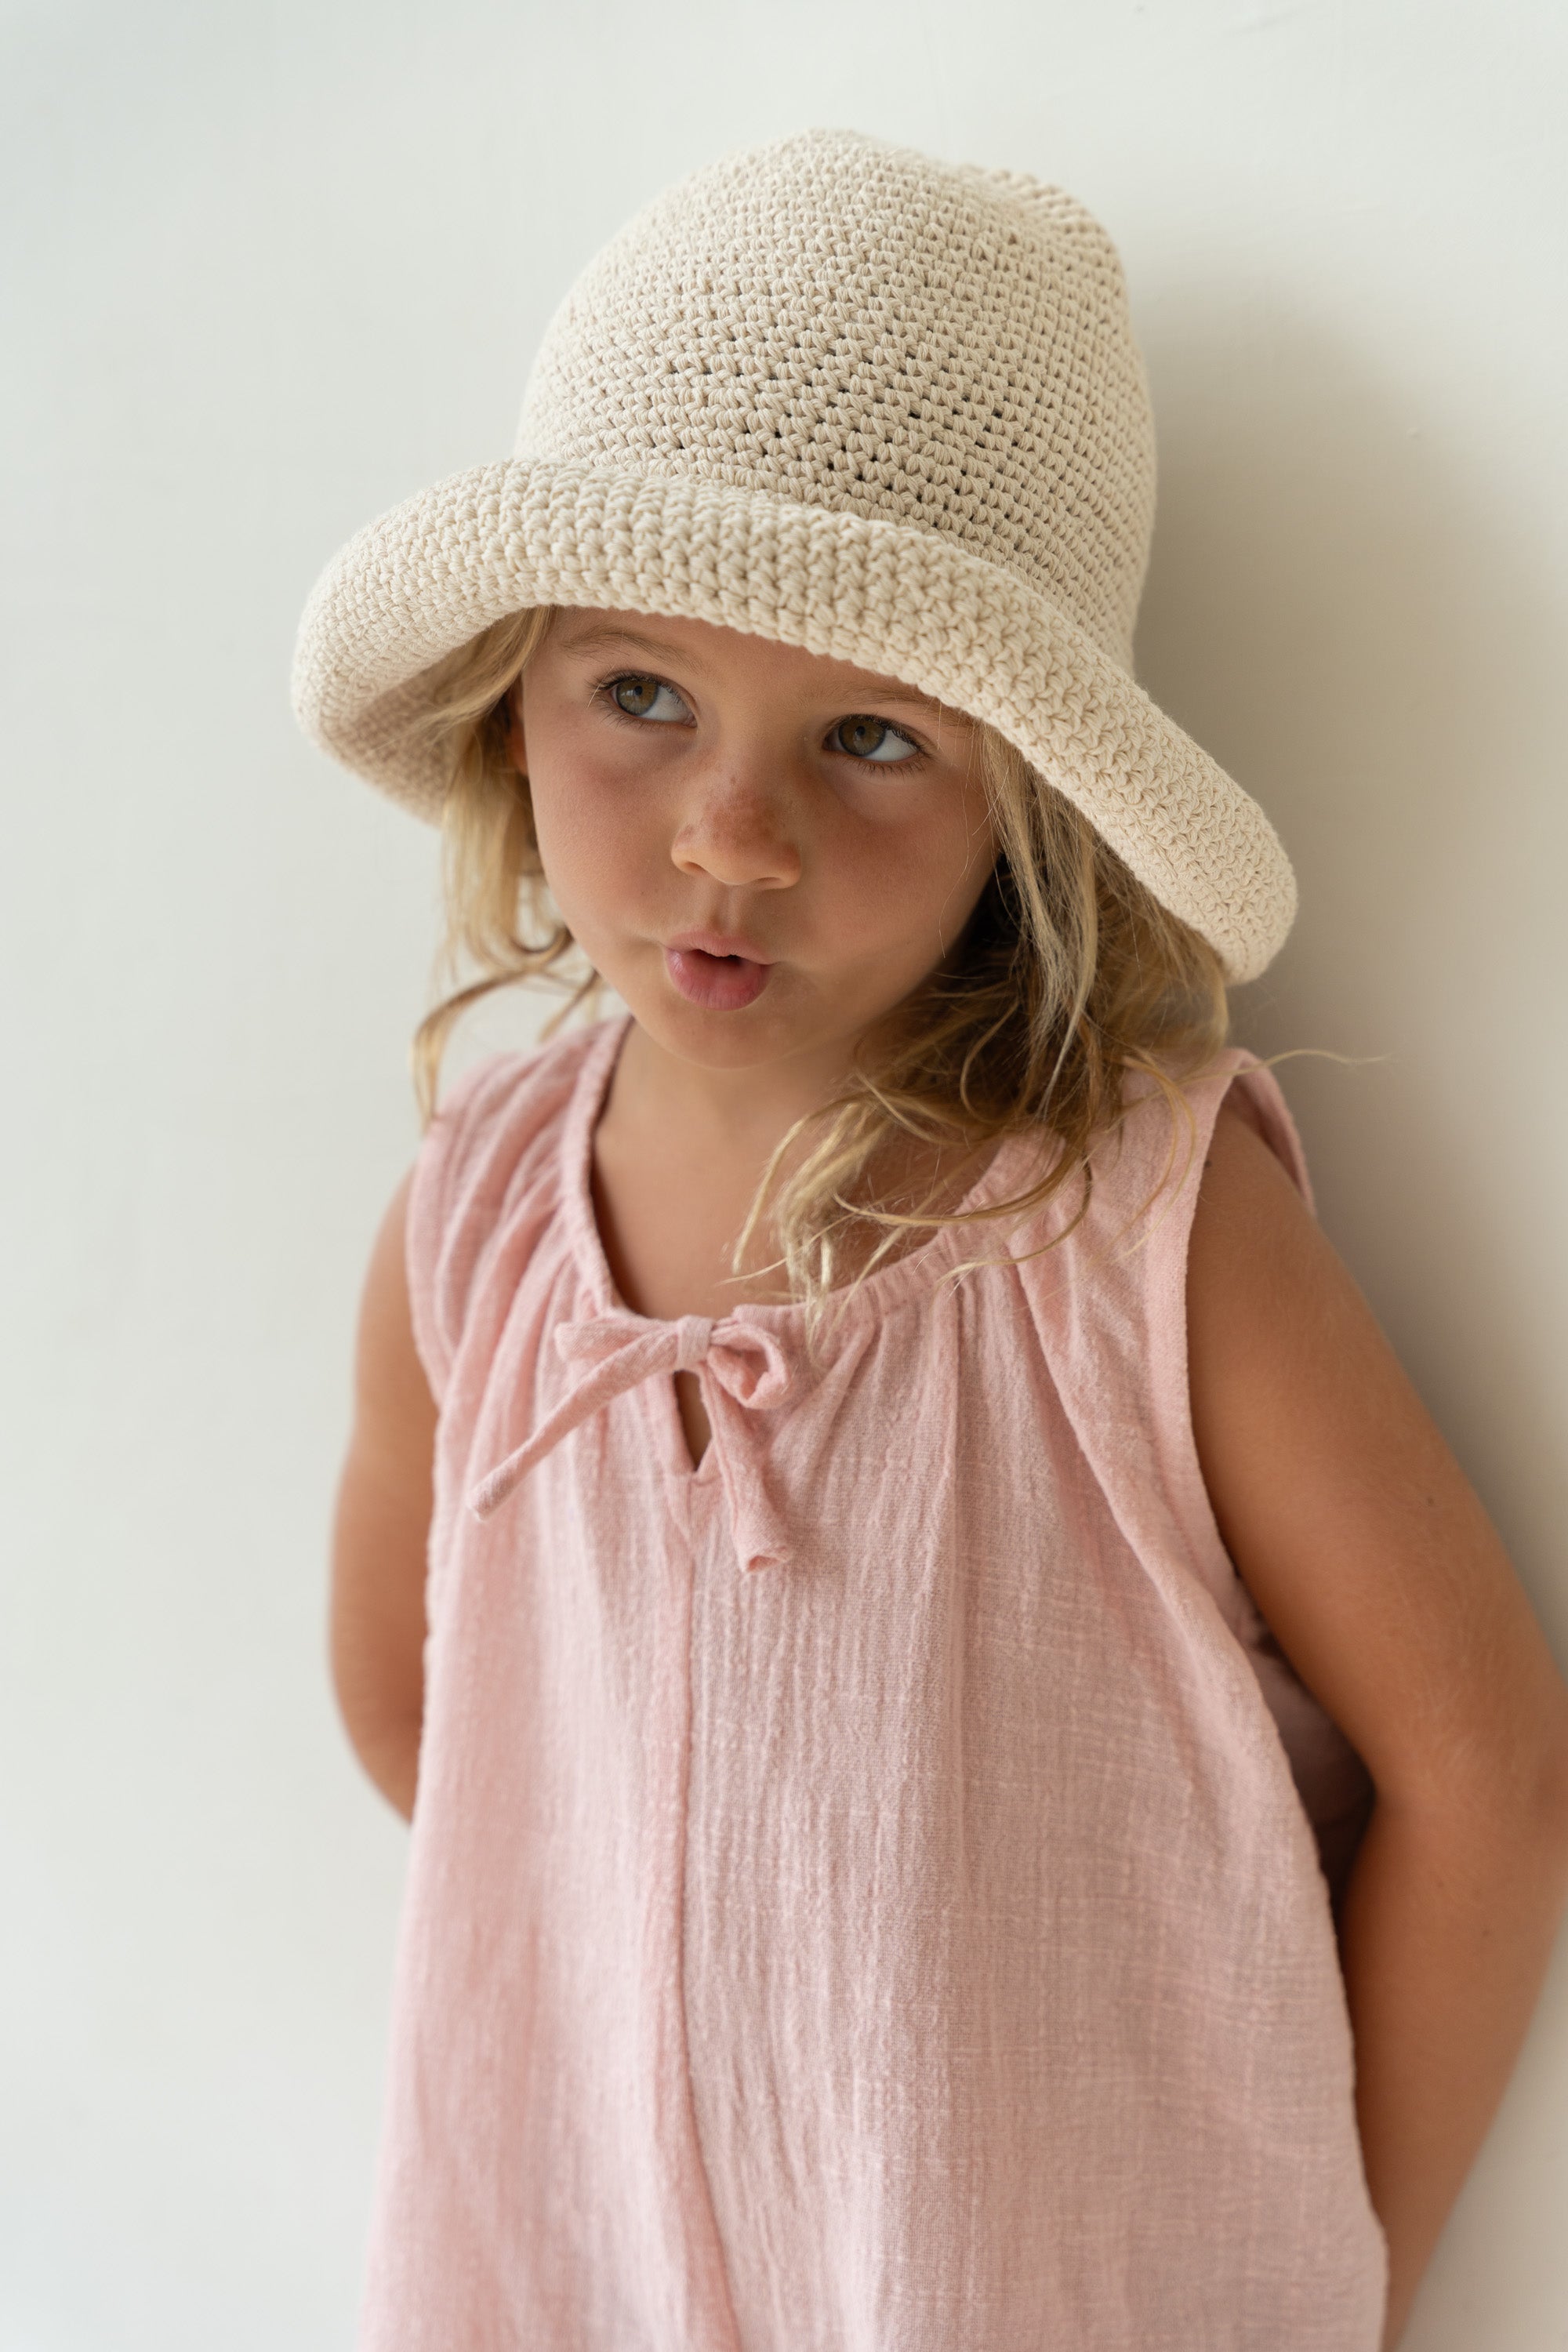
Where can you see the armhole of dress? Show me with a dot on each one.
(1331, 1779)
(423, 1221)
(426, 1219)
(1253, 1092)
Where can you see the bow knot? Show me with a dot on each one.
(601, 1334)
(748, 1372)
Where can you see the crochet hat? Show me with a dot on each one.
(840, 395)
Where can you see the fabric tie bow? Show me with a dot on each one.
(748, 1373)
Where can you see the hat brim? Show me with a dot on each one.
(907, 601)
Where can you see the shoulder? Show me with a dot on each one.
(504, 1100)
(1111, 1277)
(394, 1405)
(489, 1166)
(1275, 1319)
(1245, 1180)
(1255, 1245)
(1181, 1142)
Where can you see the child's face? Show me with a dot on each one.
(762, 851)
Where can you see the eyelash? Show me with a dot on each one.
(917, 757)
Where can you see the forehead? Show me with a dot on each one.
(710, 650)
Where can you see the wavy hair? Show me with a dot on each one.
(1068, 980)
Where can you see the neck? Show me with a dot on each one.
(745, 1112)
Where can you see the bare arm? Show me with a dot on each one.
(382, 1529)
(1370, 1558)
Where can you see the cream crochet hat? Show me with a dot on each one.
(840, 395)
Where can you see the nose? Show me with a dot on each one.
(736, 832)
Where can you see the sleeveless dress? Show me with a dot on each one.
(863, 1893)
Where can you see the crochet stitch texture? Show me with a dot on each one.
(841, 395)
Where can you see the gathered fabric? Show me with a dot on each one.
(870, 1887)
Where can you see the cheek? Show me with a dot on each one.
(916, 880)
(589, 835)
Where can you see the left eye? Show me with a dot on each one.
(640, 698)
(873, 739)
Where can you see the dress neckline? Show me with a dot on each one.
(919, 1269)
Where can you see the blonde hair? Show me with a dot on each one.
(1069, 978)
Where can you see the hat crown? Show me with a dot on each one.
(856, 326)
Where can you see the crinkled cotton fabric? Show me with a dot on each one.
(863, 1890)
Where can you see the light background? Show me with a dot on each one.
(270, 269)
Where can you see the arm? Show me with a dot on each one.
(1372, 1561)
(382, 1529)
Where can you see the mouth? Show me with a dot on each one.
(716, 973)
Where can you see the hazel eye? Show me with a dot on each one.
(865, 738)
(639, 697)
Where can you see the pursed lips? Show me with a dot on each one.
(716, 972)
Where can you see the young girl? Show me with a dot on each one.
(945, 1685)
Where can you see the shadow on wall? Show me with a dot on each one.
(1333, 609)
(1333, 613)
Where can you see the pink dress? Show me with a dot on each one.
(863, 1896)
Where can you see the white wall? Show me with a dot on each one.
(270, 269)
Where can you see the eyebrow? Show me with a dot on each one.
(886, 690)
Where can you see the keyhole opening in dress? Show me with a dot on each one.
(693, 1415)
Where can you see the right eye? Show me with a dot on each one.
(639, 695)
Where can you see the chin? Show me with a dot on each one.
(796, 1014)
(741, 1040)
